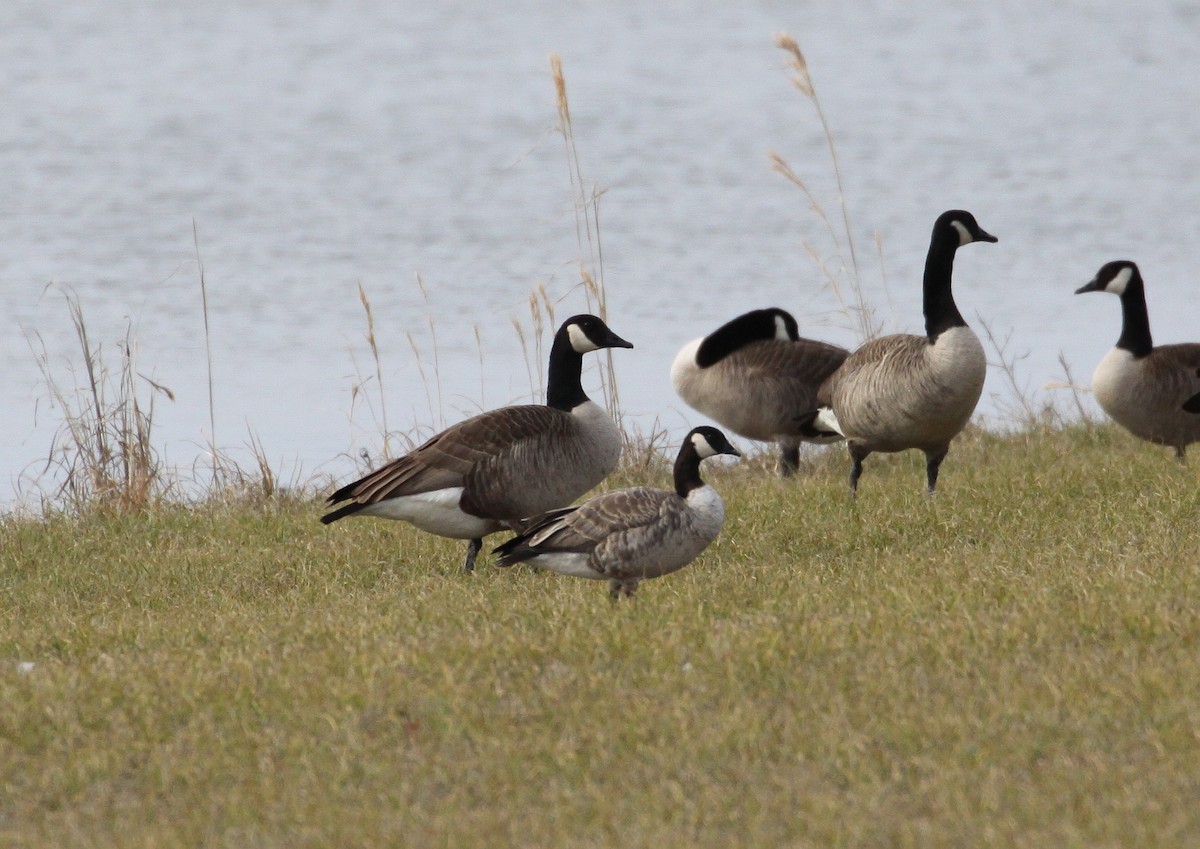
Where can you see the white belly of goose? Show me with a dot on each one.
(435, 512)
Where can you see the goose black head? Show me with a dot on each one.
(1116, 277)
(587, 332)
(963, 225)
(709, 442)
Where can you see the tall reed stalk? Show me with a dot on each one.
(853, 303)
(586, 202)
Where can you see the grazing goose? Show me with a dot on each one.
(754, 375)
(1154, 393)
(907, 391)
(627, 535)
(492, 470)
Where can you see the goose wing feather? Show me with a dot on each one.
(462, 454)
(870, 365)
(805, 362)
(1180, 374)
(596, 521)
(607, 526)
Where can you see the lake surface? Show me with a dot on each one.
(322, 146)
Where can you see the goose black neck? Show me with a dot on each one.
(735, 335)
(687, 470)
(1135, 321)
(564, 391)
(941, 313)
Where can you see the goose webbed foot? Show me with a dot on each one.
(618, 588)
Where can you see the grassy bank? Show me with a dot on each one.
(1017, 664)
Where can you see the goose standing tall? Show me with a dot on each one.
(627, 535)
(906, 391)
(754, 375)
(1154, 393)
(495, 469)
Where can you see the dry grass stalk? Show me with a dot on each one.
(534, 383)
(587, 231)
(1078, 390)
(212, 407)
(1018, 407)
(412, 343)
(103, 449)
(860, 313)
(803, 82)
(376, 402)
(373, 344)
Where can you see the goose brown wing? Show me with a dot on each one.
(598, 519)
(1180, 369)
(532, 463)
(808, 362)
(460, 454)
(899, 352)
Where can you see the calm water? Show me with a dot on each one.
(318, 146)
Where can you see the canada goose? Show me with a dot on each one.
(492, 470)
(1154, 393)
(627, 535)
(754, 375)
(907, 391)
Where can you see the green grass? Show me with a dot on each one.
(1015, 664)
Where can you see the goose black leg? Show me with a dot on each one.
(789, 460)
(857, 455)
(933, 462)
(1179, 453)
(472, 552)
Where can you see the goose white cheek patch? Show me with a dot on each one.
(579, 340)
(781, 330)
(964, 235)
(1118, 284)
(702, 446)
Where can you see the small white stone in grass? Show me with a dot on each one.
(687, 666)
(25, 666)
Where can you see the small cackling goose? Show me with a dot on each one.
(906, 391)
(754, 375)
(1154, 393)
(493, 470)
(627, 535)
